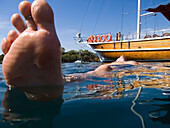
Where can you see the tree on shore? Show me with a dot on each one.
(83, 55)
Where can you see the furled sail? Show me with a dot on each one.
(164, 9)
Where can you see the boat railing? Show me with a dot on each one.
(144, 35)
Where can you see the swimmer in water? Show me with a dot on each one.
(33, 53)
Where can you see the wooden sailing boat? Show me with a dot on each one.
(148, 49)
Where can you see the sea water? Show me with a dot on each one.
(128, 97)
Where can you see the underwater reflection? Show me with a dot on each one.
(21, 112)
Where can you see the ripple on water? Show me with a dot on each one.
(129, 96)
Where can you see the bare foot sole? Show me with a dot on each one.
(33, 55)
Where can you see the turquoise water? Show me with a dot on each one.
(127, 97)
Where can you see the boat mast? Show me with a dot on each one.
(138, 19)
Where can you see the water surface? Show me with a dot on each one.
(129, 96)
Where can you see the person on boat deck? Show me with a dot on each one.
(119, 36)
(33, 54)
(79, 38)
(116, 36)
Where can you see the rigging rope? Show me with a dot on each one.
(89, 5)
(156, 27)
(101, 17)
(122, 16)
(98, 16)
(85, 47)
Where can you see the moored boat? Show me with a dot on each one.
(150, 48)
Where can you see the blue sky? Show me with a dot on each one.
(73, 16)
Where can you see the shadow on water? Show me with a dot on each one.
(129, 96)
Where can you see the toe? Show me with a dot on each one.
(42, 14)
(5, 45)
(12, 35)
(18, 23)
(121, 59)
(25, 9)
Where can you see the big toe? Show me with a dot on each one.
(42, 14)
(121, 59)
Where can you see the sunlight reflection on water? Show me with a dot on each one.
(138, 96)
(123, 78)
